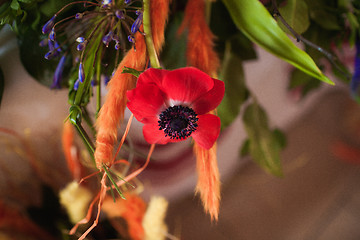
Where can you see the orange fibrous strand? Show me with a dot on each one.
(71, 152)
(102, 194)
(208, 185)
(112, 112)
(124, 136)
(132, 210)
(200, 47)
(159, 11)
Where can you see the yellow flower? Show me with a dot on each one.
(75, 199)
(153, 222)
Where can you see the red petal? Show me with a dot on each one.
(152, 134)
(145, 102)
(211, 99)
(152, 76)
(186, 84)
(208, 130)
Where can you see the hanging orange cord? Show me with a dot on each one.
(200, 53)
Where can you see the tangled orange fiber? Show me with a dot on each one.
(200, 46)
(132, 210)
(112, 112)
(208, 185)
(200, 53)
(70, 151)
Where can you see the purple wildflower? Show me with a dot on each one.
(58, 73)
(81, 72)
(48, 25)
(137, 23)
(355, 81)
(76, 84)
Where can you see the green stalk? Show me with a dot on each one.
(154, 61)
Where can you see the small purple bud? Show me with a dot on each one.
(137, 23)
(51, 45)
(81, 72)
(80, 39)
(43, 42)
(58, 73)
(120, 14)
(80, 46)
(127, 1)
(107, 38)
(76, 84)
(52, 35)
(57, 46)
(48, 25)
(355, 80)
(50, 55)
(79, 16)
(117, 46)
(106, 80)
(131, 39)
(138, 12)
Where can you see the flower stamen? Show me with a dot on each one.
(178, 122)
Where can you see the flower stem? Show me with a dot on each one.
(154, 61)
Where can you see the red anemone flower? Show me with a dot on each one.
(175, 105)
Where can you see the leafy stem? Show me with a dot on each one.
(154, 61)
(333, 59)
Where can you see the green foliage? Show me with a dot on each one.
(15, 12)
(225, 30)
(302, 80)
(263, 145)
(236, 92)
(132, 71)
(173, 56)
(296, 14)
(252, 18)
(32, 57)
(325, 13)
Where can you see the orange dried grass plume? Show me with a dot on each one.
(208, 185)
(132, 210)
(112, 112)
(159, 12)
(200, 53)
(200, 46)
(71, 152)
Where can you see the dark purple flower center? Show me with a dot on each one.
(178, 122)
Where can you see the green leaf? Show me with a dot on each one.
(236, 92)
(32, 57)
(132, 71)
(296, 14)
(305, 82)
(242, 47)
(264, 145)
(280, 137)
(173, 55)
(252, 18)
(2, 84)
(15, 5)
(244, 151)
